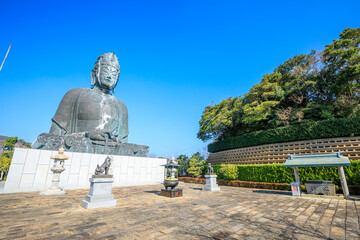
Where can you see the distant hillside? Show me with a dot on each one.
(20, 143)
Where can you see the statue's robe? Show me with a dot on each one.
(85, 110)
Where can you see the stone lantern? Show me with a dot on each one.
(171, 180)
(57, 169)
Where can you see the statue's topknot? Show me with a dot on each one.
(109, 59)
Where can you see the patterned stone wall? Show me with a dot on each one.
(30, 170)
(277, 153)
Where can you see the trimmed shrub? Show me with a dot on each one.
(277, 173)
(237, 183)
(192, 180)
(344, 127)
(229, 171)
(354, 189)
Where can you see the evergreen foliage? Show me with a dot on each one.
(277, 173)
(183, 160)
(10, 143)
(306, 88)
(229, 171)
(5, 161)
(7, 153)
(343, 127)
(196, 165)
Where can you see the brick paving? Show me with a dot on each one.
(141, 213)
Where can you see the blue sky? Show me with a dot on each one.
(176, 57)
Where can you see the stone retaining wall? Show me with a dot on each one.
(278, 153)
(30, 170)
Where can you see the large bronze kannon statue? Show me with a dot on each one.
(92, 120)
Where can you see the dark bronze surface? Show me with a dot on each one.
(92, 120)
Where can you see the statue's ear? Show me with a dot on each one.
(95, 73)
(93, 77)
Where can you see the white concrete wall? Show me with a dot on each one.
(30, 170)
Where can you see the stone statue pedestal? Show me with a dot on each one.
(53, 192)
(100, 193)
(211, 184)
(177, 192)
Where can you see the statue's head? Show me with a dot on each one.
(106, 71)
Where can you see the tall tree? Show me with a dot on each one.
(307, 87)
(339, 80)
(5, 161)
(196, 164)
(183, 160)
(10, 143)
(219, 119)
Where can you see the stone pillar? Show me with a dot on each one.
(344, 185)
(100, 192)
(211, 184)
(297, 178)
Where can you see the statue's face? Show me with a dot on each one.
(108, 76)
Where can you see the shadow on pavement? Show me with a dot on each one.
(154, 192)
(273, 192)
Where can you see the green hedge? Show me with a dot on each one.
(344, 127)
(277, 173)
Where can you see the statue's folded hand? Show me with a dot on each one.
(111, 136)
(101, 136)
(96, 135)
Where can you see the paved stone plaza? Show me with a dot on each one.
(141, 213)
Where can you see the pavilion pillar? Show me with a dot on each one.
(344, 185)
(297, 177)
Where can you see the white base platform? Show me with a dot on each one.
(90, 205)
(53, 192)
(211, 184)
(100, 193)
(211, 189)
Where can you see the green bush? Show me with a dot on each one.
(229, 171)
(7, 153)
(277, 173)
(10, 143)
(344, 127)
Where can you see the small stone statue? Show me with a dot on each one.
(104, 168)
(210, 169)
(210, 177)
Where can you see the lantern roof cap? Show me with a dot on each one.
(171, 164)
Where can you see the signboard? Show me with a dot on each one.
(295, 188)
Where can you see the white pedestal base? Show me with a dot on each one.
(211, 184)
(89, 205)
(53, 192)
(100, 193)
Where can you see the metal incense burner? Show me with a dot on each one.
(171, 180)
